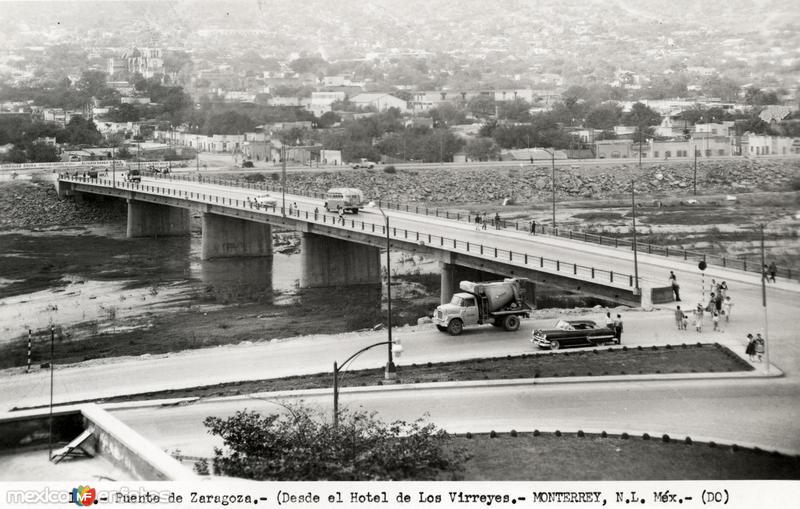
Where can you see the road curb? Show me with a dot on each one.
(774, 373)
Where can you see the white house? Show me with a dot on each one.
(321, 101)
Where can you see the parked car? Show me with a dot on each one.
(266, 200)
(567, 333)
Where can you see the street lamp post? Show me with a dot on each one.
(694, 179)
(50, 418)
(764, 299)
(197, 151)
(283, 177)
(338, 369)
(391, 369)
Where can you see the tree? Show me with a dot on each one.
(328, 119)
(79, 131)
(42, 153)
(482, 106)
(641, 116)
(605, 116)
(229, 122)
(482, 149)
(517, 110)
(299, 445)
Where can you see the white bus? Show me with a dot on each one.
(349, 199)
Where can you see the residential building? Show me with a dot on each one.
(754, 145)
(380, 102)
(321, 101)
(613, 149)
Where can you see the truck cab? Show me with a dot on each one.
(462, 306)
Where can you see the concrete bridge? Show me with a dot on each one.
(347, 251)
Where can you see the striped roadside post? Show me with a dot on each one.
(28, 370)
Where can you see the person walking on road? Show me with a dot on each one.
(679, 318)
(483, 221)
(751, 347)
(618, 329)
(477, 222)
(497, 221)
(727, 304)
(673, 281)
(533, 227)
(773, 269)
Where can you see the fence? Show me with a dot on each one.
(666, 251)
(562, 267)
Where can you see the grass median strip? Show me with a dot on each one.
(685, 358)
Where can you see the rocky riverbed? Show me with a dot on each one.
(441, 186)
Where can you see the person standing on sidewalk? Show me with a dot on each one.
(618, 329)
(727, 304)
(715, 321)
(751, 347)
(698, 318)
(673, 281)
(759, 346)
(679, 318)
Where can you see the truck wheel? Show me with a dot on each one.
(441, 328)
(511, 322)
(455, 327)
(554, 345)
(354, 211)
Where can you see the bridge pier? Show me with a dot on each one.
(453, 274)
(225, 237)
(153, 220)
(333, 262)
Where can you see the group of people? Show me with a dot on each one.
(768, 272)
(755, 347)
(615, 324)
(719, 304)
(481, 221)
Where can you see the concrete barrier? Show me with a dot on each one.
(111, 438)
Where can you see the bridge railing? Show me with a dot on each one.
(524, 226)
(480, 250)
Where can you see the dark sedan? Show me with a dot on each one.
(572, 333)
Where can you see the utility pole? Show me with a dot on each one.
(764, 300)
(283, 177)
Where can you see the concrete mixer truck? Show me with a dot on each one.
(501, 303)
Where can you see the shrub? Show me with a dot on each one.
(712, 444)
(309, 447)
(557, 433)
(624, 436)
(581, 433)
(603, 434)
(513, 433)
(493, 434)
(468, 435)
(390, 169)
(201, 467)
(665, 438)
(734, 448)
(645, 437)
(688, 441)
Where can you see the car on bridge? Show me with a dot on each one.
(133, 175)
(265, 200)
(566, 333)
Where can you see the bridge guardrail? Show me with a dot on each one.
(603, 240)
(618, 279)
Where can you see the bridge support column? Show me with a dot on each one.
(152, 219)
(332, 262)
(225, 237)
(453, 274)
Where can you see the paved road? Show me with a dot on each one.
(740, 412)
